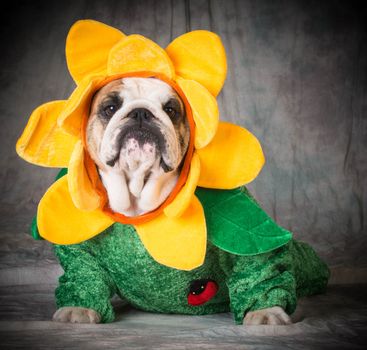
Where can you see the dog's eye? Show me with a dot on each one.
(109, 106)
(109, 111)
(170, 111)
(173, 109)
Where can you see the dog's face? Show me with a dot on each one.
(137, 134)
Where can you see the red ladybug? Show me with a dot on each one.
(201, 291)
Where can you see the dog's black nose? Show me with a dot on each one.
(141, 115)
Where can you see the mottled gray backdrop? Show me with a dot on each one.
(297, 79)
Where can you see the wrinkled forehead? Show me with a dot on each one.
(130, 89)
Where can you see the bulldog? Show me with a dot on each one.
(137, 134)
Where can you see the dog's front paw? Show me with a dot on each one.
(273, 316)
(75, 314)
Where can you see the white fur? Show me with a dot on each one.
(117, 191)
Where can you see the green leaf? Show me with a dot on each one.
(237, 224)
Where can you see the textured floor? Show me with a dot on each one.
(336, 320)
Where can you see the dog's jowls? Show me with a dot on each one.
(137, 134)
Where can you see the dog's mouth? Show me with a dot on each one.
(142, 136)
(140, 144)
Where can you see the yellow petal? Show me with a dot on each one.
(81, 188)
(87, 47)
(183, 199)
(204, 109)
(176, 242)
(136, 53)
(77, 105)
(199, 55)
(232, 159)
(43, 142)
(60, 222)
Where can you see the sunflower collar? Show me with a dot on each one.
(221, 155)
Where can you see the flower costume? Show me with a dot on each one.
(205, 210)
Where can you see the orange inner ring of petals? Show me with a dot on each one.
(92, 168)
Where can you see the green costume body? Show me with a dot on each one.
(254, 263)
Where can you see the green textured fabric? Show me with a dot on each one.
(267, 269)
(117, 262)
(237, 224)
